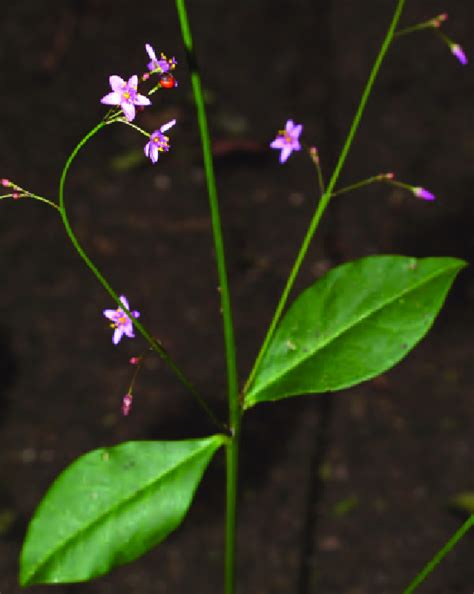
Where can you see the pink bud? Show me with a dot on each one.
(146, 76)
(423, 194)
(127, 404)
(6, 183)
(134, 360)
(15, 195)
(458, 52)
(437, 21)
(388, 176)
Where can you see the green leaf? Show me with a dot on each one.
(353, 324)
(110, 506)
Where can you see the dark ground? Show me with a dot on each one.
(400, 447)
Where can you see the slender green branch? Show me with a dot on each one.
(137, 128)
(314, 156)
(44, 200)
(424, 573)
(327, 195)
(231, 359)
(154, 344)
(361, 184)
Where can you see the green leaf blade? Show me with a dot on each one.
(111, 506)
(353, 324)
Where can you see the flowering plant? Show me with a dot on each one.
(114, 504)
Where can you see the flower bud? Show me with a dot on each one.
(127, 404)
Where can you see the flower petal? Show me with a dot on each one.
(297, 131)
(167, 126)
(278, 143)
(111, 314)
(128, 330)
(285, 153)
(150, 51)
(141, 100)
(116, 82)
(133, 81)
(147, 149)
(289, 126)
(135, 314)
(154, 153)
(118, 333)
(113, 98)
(128, 110)
(124, 301)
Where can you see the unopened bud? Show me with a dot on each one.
(313, 153)
(127, 404)
(458, 52)
(146, 76)
(423, 194)
(134, 360)
(15, 195)
(6, 183)
(386, 176)
(438, 20)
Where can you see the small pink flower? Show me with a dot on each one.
(287, 140)
(158, 142)
(126, 95)
(423, 194)
(161, 65)
(121, 323)
(127, 404)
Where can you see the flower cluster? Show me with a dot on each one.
(125, 95)
(455, 48)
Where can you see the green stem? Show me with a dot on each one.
(468, 524)
(327, 195)
(231, 359)
(361, 184)
(154, 344)
(232, 468)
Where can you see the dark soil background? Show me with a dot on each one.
(344, 494)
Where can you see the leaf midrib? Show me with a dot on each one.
(346, 328)
(65, 543)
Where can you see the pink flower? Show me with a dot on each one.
(287, 140)
(161, 65)
(121, 323)
(126, 95)
(158, 142)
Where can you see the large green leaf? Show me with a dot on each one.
(353, 324)
(110, 506)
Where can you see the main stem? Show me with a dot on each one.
(232, 452)
(327, 194)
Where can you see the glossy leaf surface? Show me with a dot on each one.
(111, 506)
(356, 322)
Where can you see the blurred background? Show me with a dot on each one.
(349, 493)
